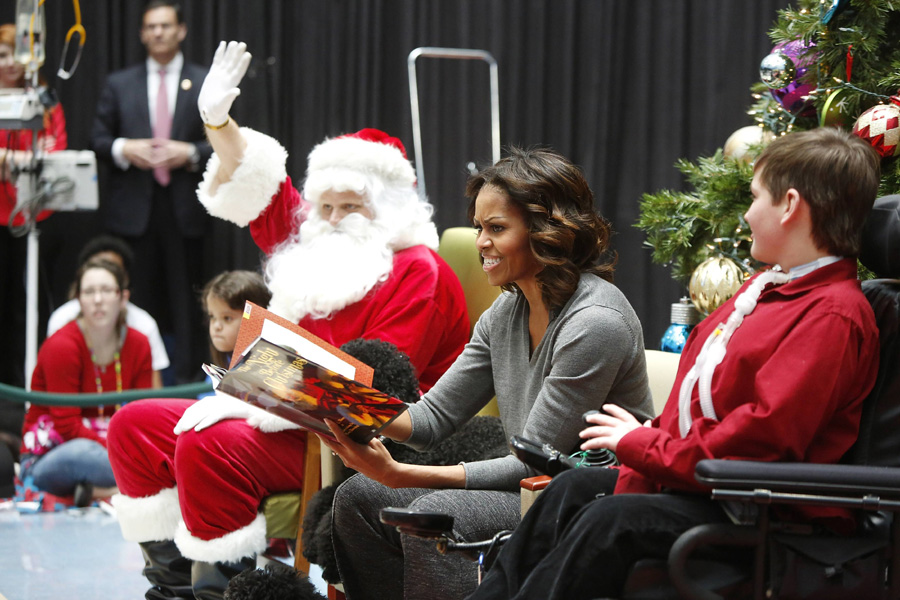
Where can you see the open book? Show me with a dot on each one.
(295, 375)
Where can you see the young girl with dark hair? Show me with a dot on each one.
(223, 299)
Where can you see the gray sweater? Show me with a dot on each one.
(591, 354)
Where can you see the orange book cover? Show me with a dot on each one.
(258, 322)
(284, 382)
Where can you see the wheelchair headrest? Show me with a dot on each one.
(880, 249)
(879, 442)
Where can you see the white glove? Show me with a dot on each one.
(212, 409)
(270, 423)
(220, 86)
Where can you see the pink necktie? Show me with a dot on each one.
(163, 125)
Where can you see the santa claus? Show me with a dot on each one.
(353, 257)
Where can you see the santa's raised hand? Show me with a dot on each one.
(220, 87)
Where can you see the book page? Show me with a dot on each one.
(284, 337)
(255, 318)
(279, 380)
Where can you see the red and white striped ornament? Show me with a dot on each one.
(880, 126)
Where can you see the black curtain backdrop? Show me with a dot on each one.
(622, 87)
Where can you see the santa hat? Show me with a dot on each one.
(341, 163)
(361, 162)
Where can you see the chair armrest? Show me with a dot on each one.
(536, 483)
(864, 486)
(530, 488)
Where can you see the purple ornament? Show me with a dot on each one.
(792, 96)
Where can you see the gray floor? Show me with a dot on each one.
(72, 555)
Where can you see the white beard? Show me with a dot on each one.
(328, 268)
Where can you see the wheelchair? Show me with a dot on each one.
(758, 555)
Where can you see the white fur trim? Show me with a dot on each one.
(383, 160)
(246, 541)
(148, 519)
(424, 234)
(269, 423)
(253, 183)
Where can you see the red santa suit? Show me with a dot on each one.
(203, 488)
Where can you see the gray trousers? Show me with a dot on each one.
(376, 562)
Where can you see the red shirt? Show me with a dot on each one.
(790, 387)
(421, 307)
(64, 365)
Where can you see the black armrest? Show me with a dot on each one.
(418, 523)
(842, 480)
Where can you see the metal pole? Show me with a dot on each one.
(31, 305)
(31, 272)
(460, 54)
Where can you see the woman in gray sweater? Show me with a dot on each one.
(561, 341)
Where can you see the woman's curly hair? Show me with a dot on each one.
(568, 237)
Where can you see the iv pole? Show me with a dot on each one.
(31, 290)
(31, 265)
(30, 19)
(34, 124)
(30, 30)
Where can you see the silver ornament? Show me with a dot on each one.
(777, 70)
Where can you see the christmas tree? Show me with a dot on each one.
(834, 63)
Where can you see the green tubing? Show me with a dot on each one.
(17, 394)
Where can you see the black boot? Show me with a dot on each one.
(210, 579)
(83, 495)
(167, 571)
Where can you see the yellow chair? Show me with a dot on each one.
(457, 248)
(661, 370)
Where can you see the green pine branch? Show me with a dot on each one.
(686, 228)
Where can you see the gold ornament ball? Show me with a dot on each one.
(834, 113)
(739, 142)
(713, 282)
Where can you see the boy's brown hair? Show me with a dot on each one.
(836, 172)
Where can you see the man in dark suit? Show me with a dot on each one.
(148, 130)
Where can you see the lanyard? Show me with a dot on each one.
(99, 382)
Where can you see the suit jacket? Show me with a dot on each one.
(123, 111)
